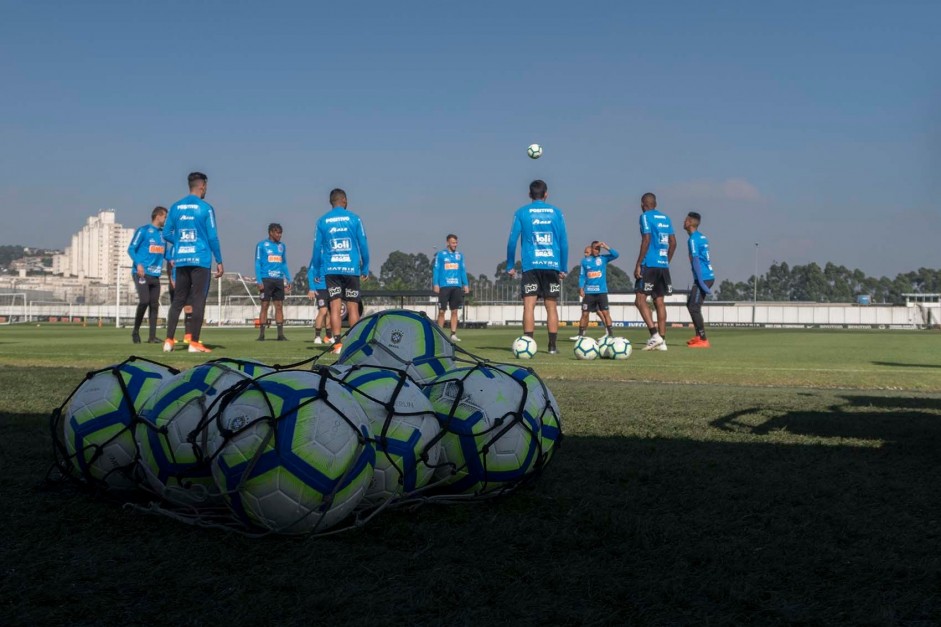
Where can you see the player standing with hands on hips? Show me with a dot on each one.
(191, 229)
(657, 245)
(147, 250)
(544, 252)
(273, 278)
(703, 276)
(449, 282)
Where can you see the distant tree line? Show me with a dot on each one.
(830, 284)
(808, 283)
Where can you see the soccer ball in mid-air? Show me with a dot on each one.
(173, 432)
(293, 452)
(621, 348)
(586, 348)
(94, 430)
(491, 429)
(403, 428)
(604, 347)
(524, 347)
(534, 151)
(402, 339)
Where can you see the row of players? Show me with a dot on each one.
(186, 236)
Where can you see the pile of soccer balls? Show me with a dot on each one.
(402, 417)
(609, 347)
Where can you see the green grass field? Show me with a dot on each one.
(781, 477)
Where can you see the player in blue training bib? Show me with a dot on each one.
(703, 277)
(593, 285)
(340, 257)
(147, 252)
(544, 252)
(652, 272)
(273, 278)
(449, 281)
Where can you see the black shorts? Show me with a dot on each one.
(595, 302)
(321, 298)
(654, 282)
(544, 284)
(342, 286)
(451, 298)
(272, 289)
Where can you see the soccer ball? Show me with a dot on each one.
(491, 429)
(173, 433)
(586, 348)
(524, 347)
(403, 427)
(402, 339)
(534, 151)
(621, 348)
(604, 347)
(294, 452)
(94, 429)
(549, 416)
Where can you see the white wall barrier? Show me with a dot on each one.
(782, 315)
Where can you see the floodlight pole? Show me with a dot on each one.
(754, 300)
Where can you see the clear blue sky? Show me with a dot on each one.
(812, 128)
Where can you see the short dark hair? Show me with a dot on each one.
(538, 189)
(158, 210)
(196, 177)
(595, 243)
(695, 216)
(336, 195)
(274, 226)
(450, 235)
(649, 195)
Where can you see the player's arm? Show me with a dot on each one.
(644, 246)
(169, 227)
(363, 251)
(611, 254)
(697, 267)
(563, 247)
(436, 273)
(134, 249)
(464, 281)
(286, 269)
(311, 291)
(259, 251)
(672, 248)
(213, 236)
(511, 245)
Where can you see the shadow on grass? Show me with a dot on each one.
(619, 529)
(900, 365)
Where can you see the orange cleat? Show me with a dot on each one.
(187, 338)
(692, 340)
(699, 343)
(337, 348)
(197, 347)
(168, 345)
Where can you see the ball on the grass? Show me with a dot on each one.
(586, 348)
(524, 347)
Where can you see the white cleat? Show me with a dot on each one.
(662, 346)
(318, 340)
(455, 338)
(654, 343)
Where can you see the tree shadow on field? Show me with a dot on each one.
(901, 365)
(897, 421)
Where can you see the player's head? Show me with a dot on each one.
(538, 190)
(158, 217)
(691, 223)
(648, 201)
(451, 240)
(197, 182)
(338, 198)
(596, 248)
(274, 232)
(588, 251)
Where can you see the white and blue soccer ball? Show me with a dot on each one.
(95, 428)
(534, 151)
(524, 347)
(403, 428)
(621, 348)
(492, 430)
(173, 433)
(401, 339)
(604, 347)
(586, 348)
(294, 453)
